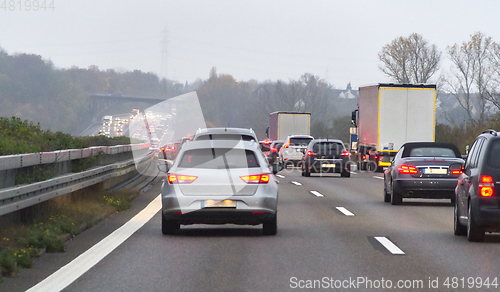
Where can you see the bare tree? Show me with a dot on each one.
(410, 60)
(471, 75)
(493, 90)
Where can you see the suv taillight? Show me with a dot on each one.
(486, 186)
(181, 179)
(310, 153)
(256, 179)
(345, 153)
(407, 169)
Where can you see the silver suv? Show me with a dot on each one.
(292, 150)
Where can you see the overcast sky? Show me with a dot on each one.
(336, 40)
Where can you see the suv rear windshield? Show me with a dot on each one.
(494, 154)
(225, 137)
(332, 148)
(219, 158)
(432, 152)
(300, 141)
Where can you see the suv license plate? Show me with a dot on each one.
(327, 165)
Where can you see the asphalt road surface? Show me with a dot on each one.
(333, 234)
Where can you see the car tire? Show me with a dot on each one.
(396, 198)
(474, 232)
(453, 199)
(458, 228)
(169, 227)
(387, 196)
(345, 173)
(307, 172)
(270, 227)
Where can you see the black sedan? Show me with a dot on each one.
(423, 170)
(326, 156)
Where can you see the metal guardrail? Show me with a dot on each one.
(19, 197)
(22, 196)
(22, 160)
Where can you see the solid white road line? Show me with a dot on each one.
(63, 277)
(353, 172)
(378, 177)
(296, 183)
(389, 245)
(280, 176)
(317, 194)
(345, 211)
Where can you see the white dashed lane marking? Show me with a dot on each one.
(280, 176)
(317, 194)
(378, 177)
(345, 211)
(391, 247)
(296, 183)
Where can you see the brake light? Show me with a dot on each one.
(267, 142)
(364, 156)
(345, 153)
(256, 179)
(310, 153)
(456, 171)
(286, 145)
(181, 179)
(407, 169)
(375, 156)
(486, 186)
(274, 149)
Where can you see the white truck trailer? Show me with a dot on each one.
(390, 115)
(284, 124)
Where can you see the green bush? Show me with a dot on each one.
(8, 262)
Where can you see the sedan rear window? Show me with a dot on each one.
(225, 137)
(494, 155)
(331, 148)
(219, 158)
(432, 152)
(299, 141)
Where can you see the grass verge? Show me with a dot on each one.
(20, 243)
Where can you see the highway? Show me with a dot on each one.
(332, 233)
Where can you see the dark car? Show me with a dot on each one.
(265, 147)
(423, 170)
(274, 154)
(326, 156)
(477, 207)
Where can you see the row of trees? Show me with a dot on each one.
(473, 81)
(59, 99)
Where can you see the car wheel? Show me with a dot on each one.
(474, 232)
(303, 173)
(458, 228)
(307, 172)
(169, 227)
(396, 198)
(453, 199)
(387, 196)
(275, 168)
(345, 173)
(270, 227)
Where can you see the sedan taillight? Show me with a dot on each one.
(181, 179)
(345, 153)
(256, 179)
(310, 153)
(486, 186)
(408, 169)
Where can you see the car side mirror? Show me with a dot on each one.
(164, 167)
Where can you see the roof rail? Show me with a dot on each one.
(490, 131)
